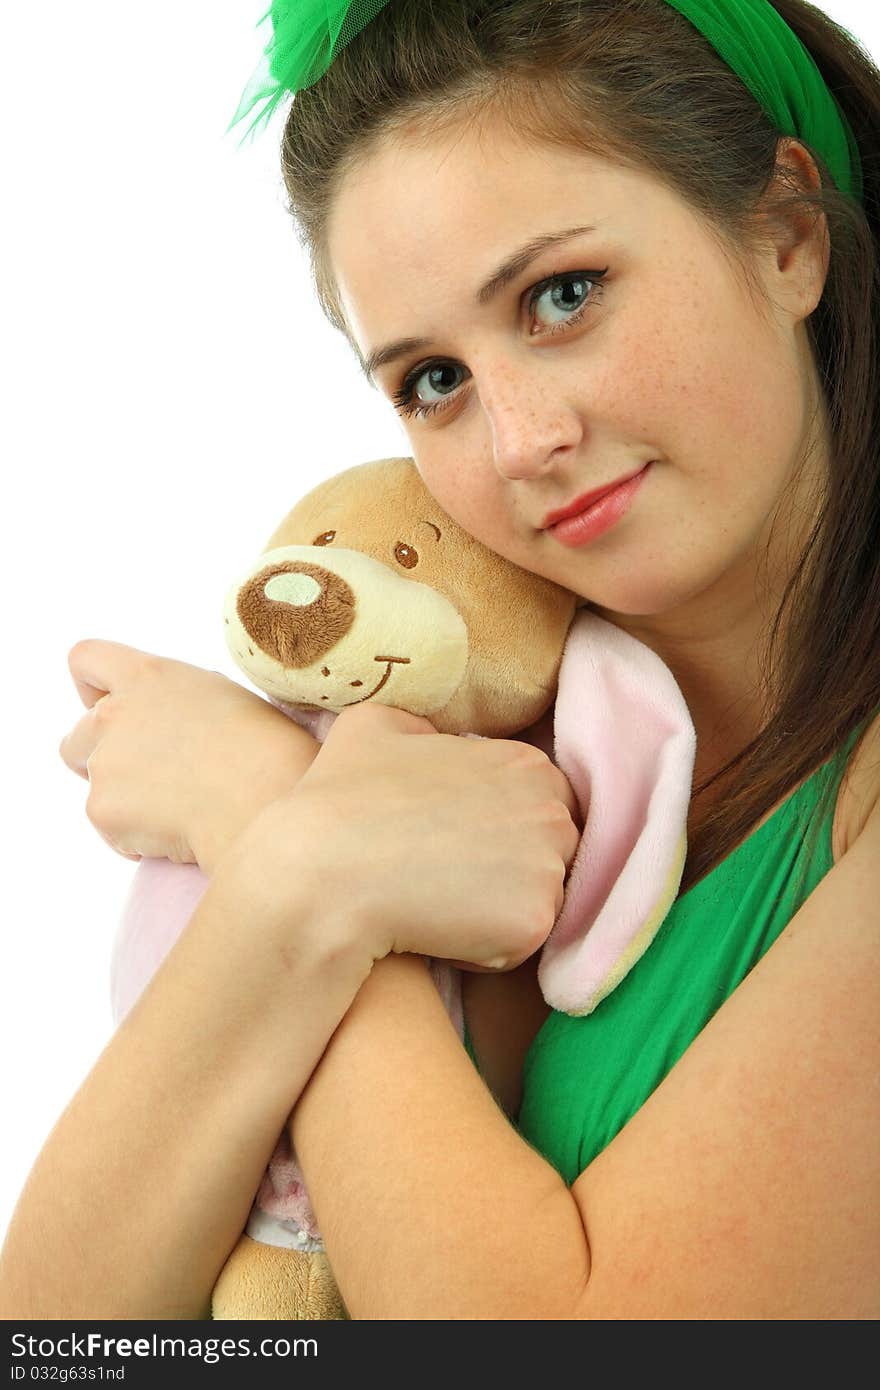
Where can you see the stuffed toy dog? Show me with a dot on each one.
(369, 591)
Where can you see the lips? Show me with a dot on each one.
(580, 504)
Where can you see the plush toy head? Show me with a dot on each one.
(369, 591)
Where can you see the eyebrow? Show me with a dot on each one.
(507, 271)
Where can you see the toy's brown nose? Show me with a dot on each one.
(308, 621)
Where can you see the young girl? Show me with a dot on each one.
(574, 244)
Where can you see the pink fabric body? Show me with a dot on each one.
(622, 734)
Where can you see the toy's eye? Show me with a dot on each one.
(325, 538)
(406, 555)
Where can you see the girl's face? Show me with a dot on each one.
(580, 363)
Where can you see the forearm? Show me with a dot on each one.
(430, 1203)
(145, 1182)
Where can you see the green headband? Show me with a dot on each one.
(751, 37)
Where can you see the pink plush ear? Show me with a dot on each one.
(623, 736)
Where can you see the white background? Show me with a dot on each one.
(169, 388)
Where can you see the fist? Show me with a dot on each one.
(451, 847)
(178, 759)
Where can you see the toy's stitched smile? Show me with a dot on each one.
(400, 660)
(391, 660)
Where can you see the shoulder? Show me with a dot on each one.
(751, 1171)
(859, 792)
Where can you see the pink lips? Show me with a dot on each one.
(580, 504)
(600, 515)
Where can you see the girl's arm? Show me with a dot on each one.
(745, 1187)
(145, 1182)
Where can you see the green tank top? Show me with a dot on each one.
(584, 1078)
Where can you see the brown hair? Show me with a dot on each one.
(632, 80)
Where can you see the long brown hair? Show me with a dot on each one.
(632, 80)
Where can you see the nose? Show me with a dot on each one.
(296, 612)
(529, 417)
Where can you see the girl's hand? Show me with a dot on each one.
(431, 843)
(178, 759)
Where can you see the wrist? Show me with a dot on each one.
(292, 753)
(287, 896)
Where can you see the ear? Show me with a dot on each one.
(624, 738)
(800, 230)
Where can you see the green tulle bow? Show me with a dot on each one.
(306, 36)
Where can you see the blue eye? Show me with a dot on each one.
(582, 286)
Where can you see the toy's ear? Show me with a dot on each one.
(624, 738)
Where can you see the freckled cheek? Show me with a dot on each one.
(711, 398)
(639, 380)
(450, 480)
(469, 490)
